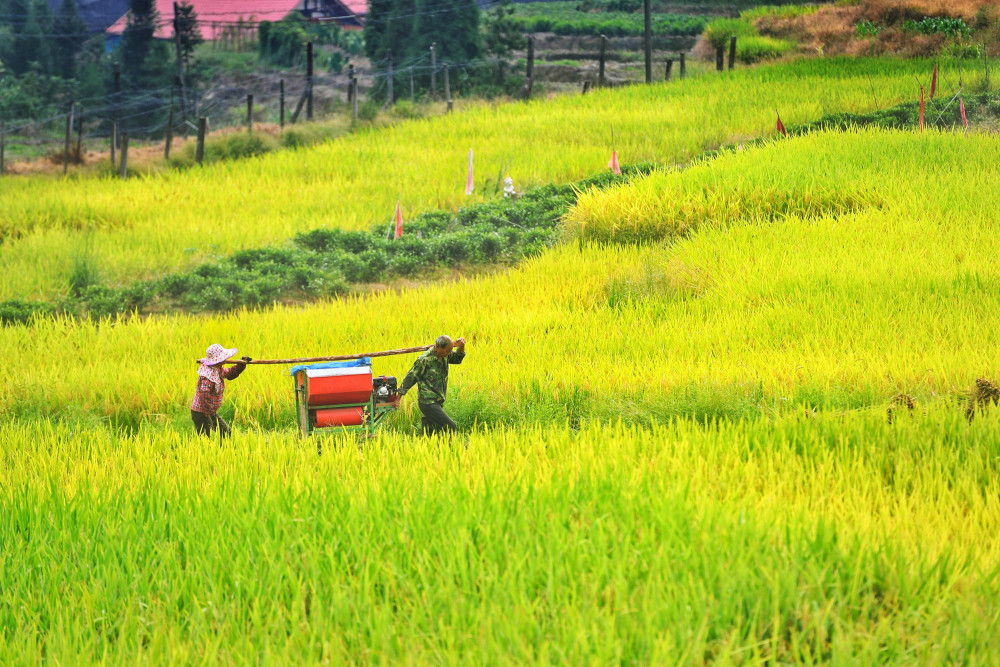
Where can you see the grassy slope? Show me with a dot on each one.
(142, 227)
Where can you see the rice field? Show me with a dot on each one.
(138, 229)
(833, 540)
(675, 444)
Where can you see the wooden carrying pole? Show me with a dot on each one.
(341, 357)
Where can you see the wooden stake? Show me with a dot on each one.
(114, 136)
(648, 39)
(79, 136)
(199, 152)
(720, 56)
(124, 165)
(69, 137)
(447, 88)
(586, 86)
(281, 104)
(683, 67)
(732, 51)
(600, 65)
(434, 71)
(249, 113)
(413, 90)
(670, 66)
(390, 99)
(309, 80)
(3, 147)
(170, 133)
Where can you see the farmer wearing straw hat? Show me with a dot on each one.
(430, 371)
(211, 385)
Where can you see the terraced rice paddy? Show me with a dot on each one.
(676, 447)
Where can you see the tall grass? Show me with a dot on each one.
(145, 226)
(830, 540)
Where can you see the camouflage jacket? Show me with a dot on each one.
(431, 374)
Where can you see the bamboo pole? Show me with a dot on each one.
(341, 357)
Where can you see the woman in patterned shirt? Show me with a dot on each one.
(211, 385)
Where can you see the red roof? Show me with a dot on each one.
(228, 12)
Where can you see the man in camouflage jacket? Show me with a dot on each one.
(430, 371)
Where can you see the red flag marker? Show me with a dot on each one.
(613, 163)
(468, 179)
(921, 108)
(781, 126)
(934, 81)
(961, 110)
(399, 222)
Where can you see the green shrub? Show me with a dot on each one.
(368, 111)
(754, 49)
(718, 32)
(307, 134)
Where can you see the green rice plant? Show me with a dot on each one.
(754, 49)
(806, 540)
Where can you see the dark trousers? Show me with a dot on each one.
(435, 419)
(206, 424)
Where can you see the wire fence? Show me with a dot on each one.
(279, 98)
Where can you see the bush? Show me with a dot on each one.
(718, 32)
(754, 49)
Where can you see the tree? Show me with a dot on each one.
(145, 61)
(27, 48)
(186, 25)
(501, 35)
(453, 26)
(408, 27)
(71, 34)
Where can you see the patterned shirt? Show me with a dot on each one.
(431, 373)
(208, 395)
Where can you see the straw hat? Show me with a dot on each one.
(216, 354)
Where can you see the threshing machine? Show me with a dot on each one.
(342, 395)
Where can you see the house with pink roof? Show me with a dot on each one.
(215, 16)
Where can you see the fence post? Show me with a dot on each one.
(720, 55)
(124, 163)
(648, 39)
(670, 66)
(586, 86)
(69, 137)
(350, 85)
(447, 88)
(391, 99)
(281, 104)
(600, 66)
(683, 67)
(434, 71)
(732, 52)
(354, 97)
(79, 135)
(114, 133)
(3, 146)
(199, 152)
(249, 113)
(170, 132)
(309, 80)
(413, 90)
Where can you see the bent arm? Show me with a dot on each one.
(411, 378)
(234, 371)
